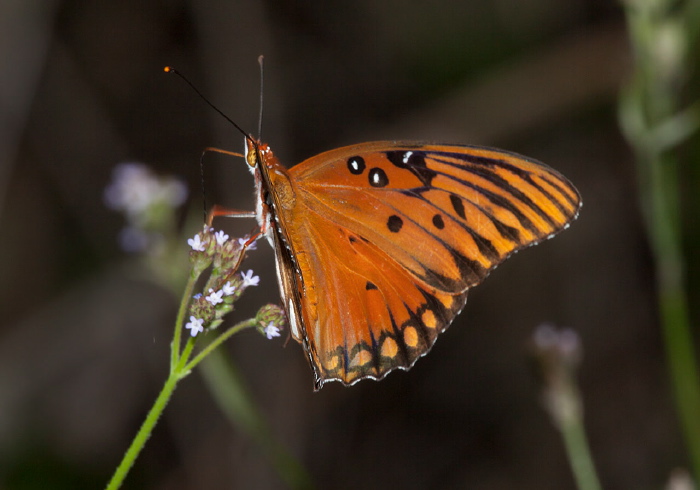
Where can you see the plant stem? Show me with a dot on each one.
(579, 454)
(228, 389)
(218, 341)
(176, 374)
(654, 121)
(177, 335)
(144, 432)
(673, 304)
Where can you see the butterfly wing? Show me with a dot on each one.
(386, 238)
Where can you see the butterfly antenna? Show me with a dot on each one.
(261, 60)
(170, 69)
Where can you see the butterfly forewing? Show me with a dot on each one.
(386, 238)
(447, 213)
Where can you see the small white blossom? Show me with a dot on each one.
(228, 289)
(221, 237)
(249, 279)
(271, 331)
(195, 326)
(251, 246)
(131, 189)
(135, 188)
(196, 243)
(215, 297)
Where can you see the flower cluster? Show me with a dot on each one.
(147, 200)
(226, 284)
(557, 348)
(270, 320)
(558, 353)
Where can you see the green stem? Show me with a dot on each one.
(151, 419)
(218, 341)
(673, 302)
(579, 454)
(177, 335)
(228, 389)
(654, 125)
(144, 433)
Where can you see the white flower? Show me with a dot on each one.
(195, 326)
(135, 188)
(249, 279)
(221, 237)
(228, 289)
(173, 191)
(131, 189)
(215, 297)
(252, 246)
(271, 331)
(196, 243)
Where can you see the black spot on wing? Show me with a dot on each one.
(356, 165)
(458, 206)
(394, 223)
(512, 234)
(378, 178)
(413, 161)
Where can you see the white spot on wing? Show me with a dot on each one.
(406, 156)
(293, 324)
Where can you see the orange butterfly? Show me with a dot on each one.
(378, 243)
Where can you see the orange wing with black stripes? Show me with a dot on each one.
(378, 243)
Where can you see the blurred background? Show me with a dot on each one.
(85, 327)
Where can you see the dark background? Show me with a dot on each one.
(84, 337)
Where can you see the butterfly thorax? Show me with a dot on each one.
(275, 202)
(273, 187)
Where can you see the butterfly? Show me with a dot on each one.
(377, 244)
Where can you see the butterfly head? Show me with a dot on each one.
(255, 152)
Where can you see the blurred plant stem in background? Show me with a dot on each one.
(655, 119)
(229, 391)
(558, 354)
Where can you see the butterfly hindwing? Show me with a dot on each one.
(365, 314)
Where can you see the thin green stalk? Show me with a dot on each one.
(143, 434)
(559, 354)
(218, 341)
(673, 303)
(654, 121)
(177, 335)
(228, 389)
(579, 454)
(149, 424)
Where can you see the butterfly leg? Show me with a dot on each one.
(223, 152)
(221, 211)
